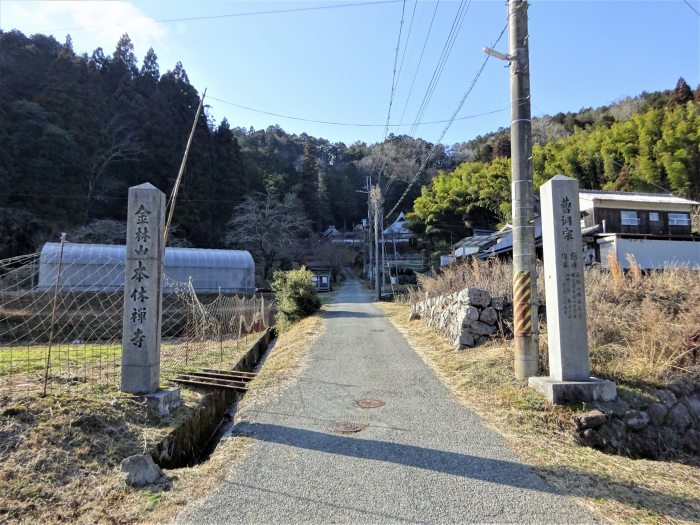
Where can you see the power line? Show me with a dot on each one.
(236, 15)
(440, 66)
(429, 89)
(442, 60)
(429, 156)
(446, 50)
(408, 37)
(410, 91)
(393, 76)
(352, 124)
(692, 7)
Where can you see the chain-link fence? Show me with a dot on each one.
(68, 327)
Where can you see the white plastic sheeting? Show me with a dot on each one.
(100, 268)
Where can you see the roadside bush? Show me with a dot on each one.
(296, 296)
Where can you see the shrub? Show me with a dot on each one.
(296, 296)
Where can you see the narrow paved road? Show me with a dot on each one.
(423, 458)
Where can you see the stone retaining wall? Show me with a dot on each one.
(655, 425)
(466, 318)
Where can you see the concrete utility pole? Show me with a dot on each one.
(377, 207)
(368, 262)
(369, 226)
(524, 256)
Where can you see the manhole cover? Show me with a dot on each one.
(369, 403)
(346, 427)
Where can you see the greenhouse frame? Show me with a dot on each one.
(100, 268)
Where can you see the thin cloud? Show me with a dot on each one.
(93, 24)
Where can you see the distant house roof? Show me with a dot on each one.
(397, 227)
(331, 231)
(630, 196)
(505, 245)
(480, 239)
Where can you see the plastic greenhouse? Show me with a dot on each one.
(100, 268)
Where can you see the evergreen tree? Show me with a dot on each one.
(324, 205)
(150, 65)
(124, 57)
(309, 178)
(501, 149)
(68, 45)
(681, 94)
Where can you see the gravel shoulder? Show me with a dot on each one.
(422, 458)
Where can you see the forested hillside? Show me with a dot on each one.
(650, 143)
(76, 130)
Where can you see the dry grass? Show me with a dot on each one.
(618, 489)
(60, 454)
(285, 360)
(280, 368)
(643, 328)
(494, 276)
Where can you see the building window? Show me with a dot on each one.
(653, 216)
(678, 219)
(629, 218)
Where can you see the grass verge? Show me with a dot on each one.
(281, 366)
(618, 489)
(60, 454)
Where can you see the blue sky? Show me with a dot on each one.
(337, 64)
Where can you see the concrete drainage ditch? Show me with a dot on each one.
(195, 439)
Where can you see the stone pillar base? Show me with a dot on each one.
(569, 392)
(163, 401)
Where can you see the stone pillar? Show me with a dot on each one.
(570, 378)
(143, 292)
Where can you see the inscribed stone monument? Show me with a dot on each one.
(570, 378)
(143, 274)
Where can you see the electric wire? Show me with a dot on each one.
(352, 124)
(440, 66)
(408, 37)
(446, 50)
(420, 60)
(692, 7)
(393, 90)
(237, 15)
(429, 156)
(445, 46)
(393, 76)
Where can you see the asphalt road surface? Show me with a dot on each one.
(422, 458)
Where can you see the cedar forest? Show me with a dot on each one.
(76, 130)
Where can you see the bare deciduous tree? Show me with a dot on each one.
(268, 226)
(118, 144)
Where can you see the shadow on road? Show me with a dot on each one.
(465, 465)
(334, 314)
